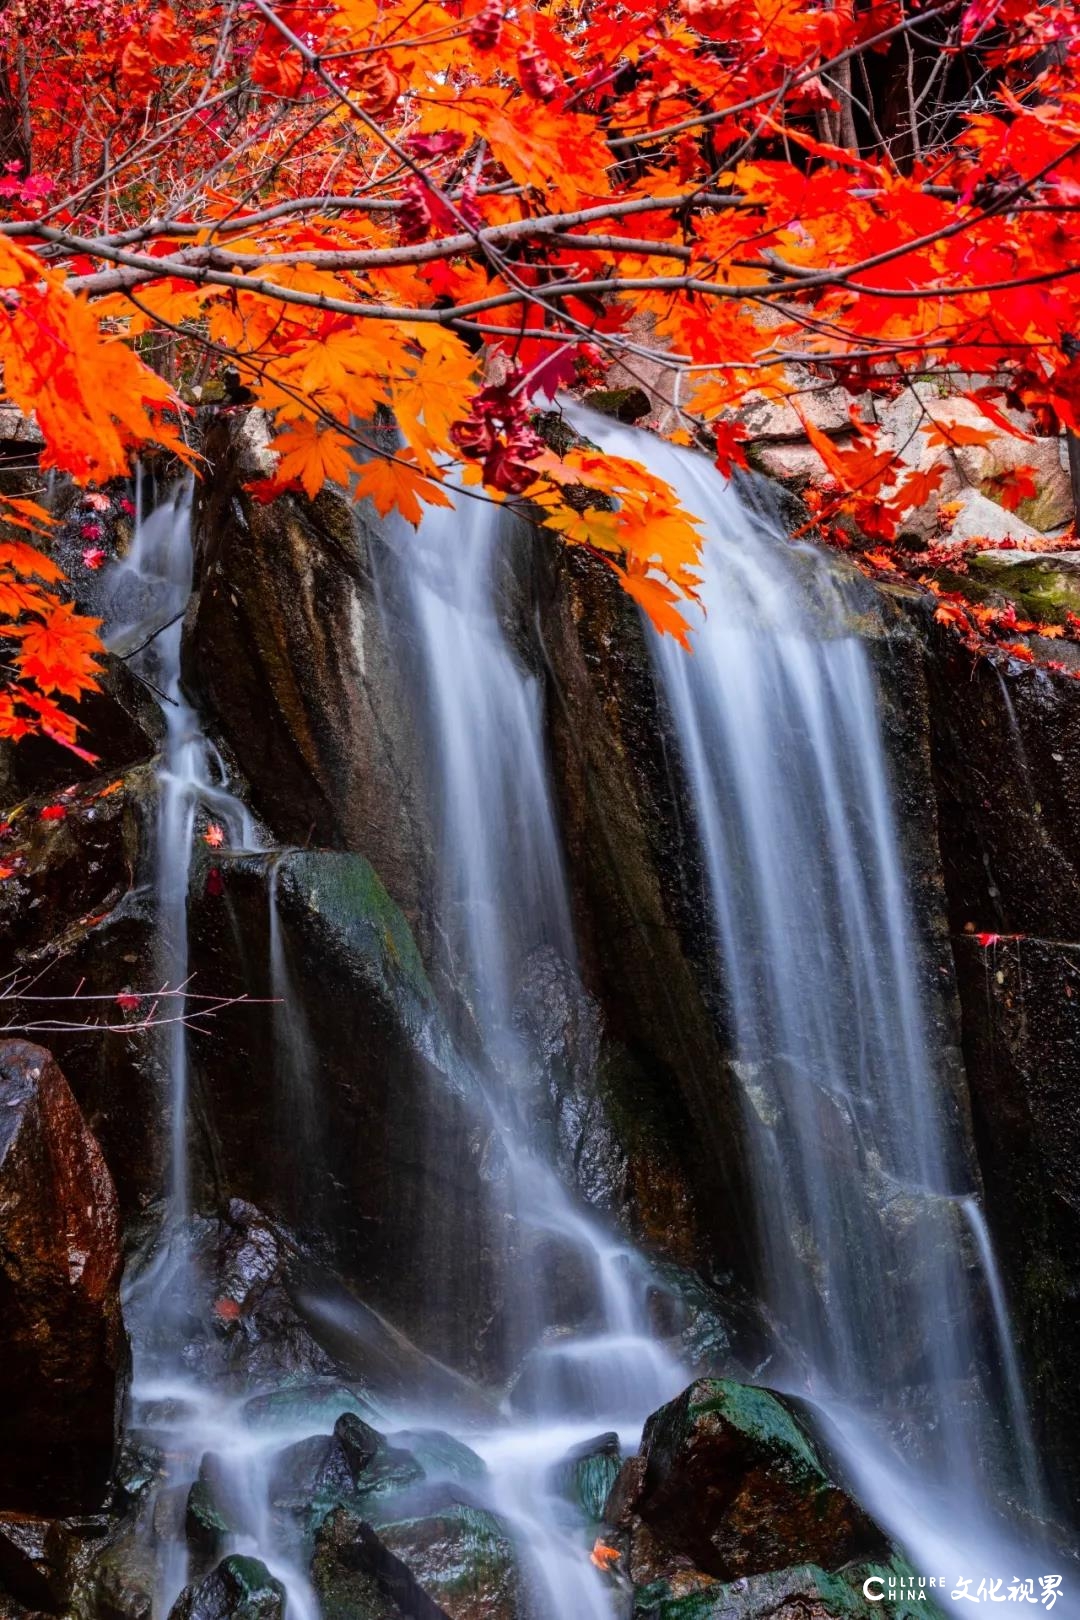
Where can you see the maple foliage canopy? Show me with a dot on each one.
(438, 214)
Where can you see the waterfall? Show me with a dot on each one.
(147, 594)
(874, 1261)
(877, 1270)
(505, 909)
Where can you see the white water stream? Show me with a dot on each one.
(875, 1261)
(878, 1268)
(504, 900)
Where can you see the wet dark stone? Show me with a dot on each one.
(289, 659)
(641, 922)
(1021, 1002)
(453, 1564)
(357, 1578)
(1005, 744)
(624, 404)
(238, 1589)
(63, 1354)
(205, 1523)
(733, 1482)
(587, 1474)
(407, 1227)
(314, 1476)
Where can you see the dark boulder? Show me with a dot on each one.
(730, 1479)
(586, 1474)
(365, 1124)
(62, 1346)
(76, 920)
(238, 1589)
(454, 1563)
(40, 1559)
(357, 1578)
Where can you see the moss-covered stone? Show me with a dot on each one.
(733, 1481)
(456, 1563)
(1044, 587)
(586, 1474)
(627, 405)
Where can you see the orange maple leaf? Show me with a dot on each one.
(314, 457)
(396, 485)
(604, 1556)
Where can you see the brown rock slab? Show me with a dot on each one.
(62, 1345)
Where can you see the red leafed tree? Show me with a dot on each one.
(440, 212)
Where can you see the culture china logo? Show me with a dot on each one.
(1044, 1589)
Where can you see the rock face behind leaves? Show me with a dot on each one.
(62, 1347)
(732, 1481)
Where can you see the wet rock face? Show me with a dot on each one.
(1006, 756)
(730, 1479)
(1021, 1001)
(287, 655)
(454, 1563)
(322, 1114)
(62, 1346)
(640, 917)
(238, 1589)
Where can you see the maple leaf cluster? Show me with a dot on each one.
(52, 651)
(438, 214)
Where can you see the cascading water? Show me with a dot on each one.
(875, 1255)
(147, 594)
(864, 1214)
(504, 903)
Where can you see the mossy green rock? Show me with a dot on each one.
(1044, 587)
(462, 1557)
(238, 1589)
(586, 1474)
(624, 404)
(733, 1481)
(205, 1524)
(453, 1564)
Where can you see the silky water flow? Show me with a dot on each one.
(875, 1263)
(877, 1270)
